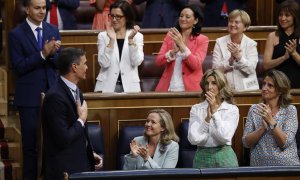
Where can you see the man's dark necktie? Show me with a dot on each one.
(39, 37)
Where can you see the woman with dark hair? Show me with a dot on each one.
(120, 52)
(271, 126)
(236, 54)
(213, 122)
(183, 52)
(282, 50)
(158, 148)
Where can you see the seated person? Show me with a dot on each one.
(158, 148)
(213, 123)
(236, 54)
(120, 52)
(271, 126)
(183, 52)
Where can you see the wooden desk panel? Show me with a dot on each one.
(114, 111)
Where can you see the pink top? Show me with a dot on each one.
(101, 18)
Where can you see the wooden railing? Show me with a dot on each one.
(3, 92)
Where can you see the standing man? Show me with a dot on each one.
(66, 145)
(61, 13)
(33, 47)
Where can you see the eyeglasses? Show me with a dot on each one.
(117, 17)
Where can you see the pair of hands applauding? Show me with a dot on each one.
(213, 104)
(138, 150)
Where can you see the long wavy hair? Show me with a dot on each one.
(292, 7)
(166, 122)
(225, 92)
(282, 86)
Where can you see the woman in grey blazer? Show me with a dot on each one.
(158, 148)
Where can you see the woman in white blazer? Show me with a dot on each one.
(236, 54)
(120, 52)
(158, 148)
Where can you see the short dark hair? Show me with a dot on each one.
(127, 11)
(198, 14)
(67, 57)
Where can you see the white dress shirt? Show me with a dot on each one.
(72, 88)
(219, 131)
(176, 83)
(33, 28)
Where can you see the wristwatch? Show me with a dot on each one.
(273, 126)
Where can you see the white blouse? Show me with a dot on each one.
(219, 131)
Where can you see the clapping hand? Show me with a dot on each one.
(235, 51)
(134, 31)
(212, 100)
(266, 113)
(177, 38)
(144, 153)
(111, 32)
(135, 148)
(290, 46)
(51, 47)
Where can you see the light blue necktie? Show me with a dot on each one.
(39, 37)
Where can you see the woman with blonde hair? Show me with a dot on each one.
(213, 122)
(236, 54)
(158, 148)
(271, 126)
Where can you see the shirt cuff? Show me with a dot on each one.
(184, 54)
(42, 55)
(169, 57)
(81, 122)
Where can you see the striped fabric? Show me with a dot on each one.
(213, 157)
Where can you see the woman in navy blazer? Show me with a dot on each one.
(158, 148)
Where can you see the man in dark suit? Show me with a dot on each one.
(33, 47)
(161, 13)
(64, 13)
(66, 145)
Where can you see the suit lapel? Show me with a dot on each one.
(46, 33)
(29, 34)
(157, 154)
(68, 92)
